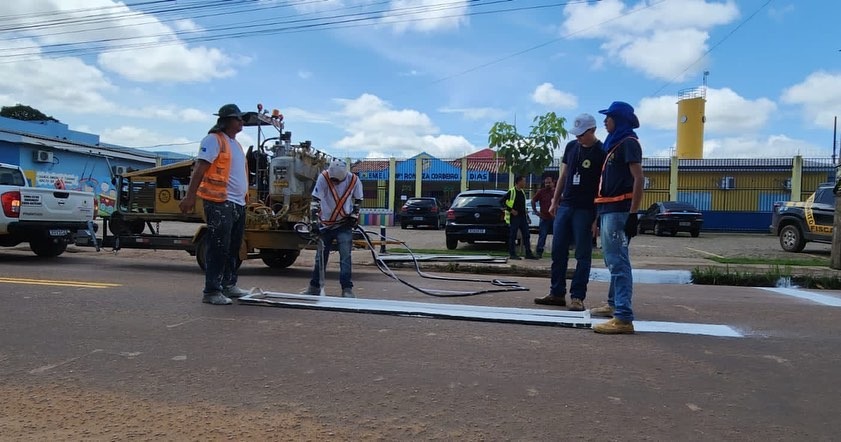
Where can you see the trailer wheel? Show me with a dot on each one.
(201, 252)
(46, 247)
(120, 227)
(279, 258)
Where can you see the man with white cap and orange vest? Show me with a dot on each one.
(336, 202)
(220, 179)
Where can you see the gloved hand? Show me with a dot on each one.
(353, 221)
(631, 227)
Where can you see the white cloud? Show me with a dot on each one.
(426, 15)
(661, 40)
(376, 128)
(475, 113)
(113, 25)
(54, 85)
(169, 113)
(143, 138)
(304, 75)
(774, 146)
(819, 95)
(547, 95)
(727, 112)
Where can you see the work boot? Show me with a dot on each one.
(348, 293)
(615, 326)
(602, 311)
(552, 300)
(576, 305)
(216, 299)
(530, 256)
(234, 292)
(312, 290)
(514, 257)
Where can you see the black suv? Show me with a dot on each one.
(477, 215)
(798, 222)
(423, 211)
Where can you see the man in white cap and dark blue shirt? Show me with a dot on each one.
(337, 199)
(575, 214)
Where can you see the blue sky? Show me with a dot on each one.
(427, 75)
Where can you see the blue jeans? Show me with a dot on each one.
(572, 225)
(519, 223)
(615, 250)
(225, 229)
(344, 237)
(544, 229)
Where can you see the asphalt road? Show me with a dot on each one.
(98, 346)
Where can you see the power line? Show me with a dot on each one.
(717, 44)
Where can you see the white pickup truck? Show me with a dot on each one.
(47, 219)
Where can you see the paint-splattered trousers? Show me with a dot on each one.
(615, 250)
(225, 230)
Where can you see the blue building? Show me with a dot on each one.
(52, 155)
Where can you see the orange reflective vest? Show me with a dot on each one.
(339, 211)
(214, 184)
(611, 199)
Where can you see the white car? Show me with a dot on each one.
(534, 220)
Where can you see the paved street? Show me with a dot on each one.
(102, 346)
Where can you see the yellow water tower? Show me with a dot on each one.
(690, 123)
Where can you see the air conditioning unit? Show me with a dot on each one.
(119, 170)
(42, 156)
(727, 183)
(646, 183)
(787, 184)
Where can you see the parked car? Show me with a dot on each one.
(423, 211)
(671, 217)
(799, 222)
(476, 215)
(534, 219)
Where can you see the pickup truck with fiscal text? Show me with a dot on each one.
(800, 222)
(47, 219)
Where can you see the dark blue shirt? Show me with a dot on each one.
(587, 163)
(616, 176)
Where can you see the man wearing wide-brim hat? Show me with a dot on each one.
(220, 179)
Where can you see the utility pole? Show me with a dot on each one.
(835, 254)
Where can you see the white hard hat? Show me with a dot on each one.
(337, 169)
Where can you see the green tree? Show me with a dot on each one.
(25, 113)
(532, 153)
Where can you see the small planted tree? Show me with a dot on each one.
(525, 154)
(25, 113)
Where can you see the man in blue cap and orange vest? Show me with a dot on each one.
(617, 202)
(220, 179)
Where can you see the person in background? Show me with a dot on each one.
(575, 214)
(617, 202)
(544, 198)
(517, 218)
(220, 179)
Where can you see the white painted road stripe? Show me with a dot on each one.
(474, 312)
(803, 294)
(723, 331)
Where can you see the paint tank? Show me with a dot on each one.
(292, 178)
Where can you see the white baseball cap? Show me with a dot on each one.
(582, 123)
(337, 169)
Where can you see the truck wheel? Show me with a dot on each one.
(201, 254)
(279, 259)
(791, 239)
(47, 247)
(452, 243)
(695, 233)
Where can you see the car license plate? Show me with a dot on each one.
(684, 224)
(59, 232)
(418, 218)
(479, 231)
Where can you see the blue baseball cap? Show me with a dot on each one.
(623, 111)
